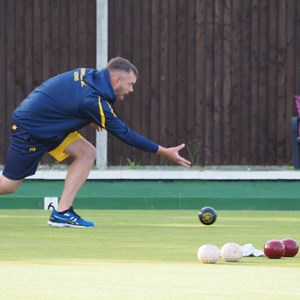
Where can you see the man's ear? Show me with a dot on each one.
(115, 81)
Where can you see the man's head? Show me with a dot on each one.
(123, 75)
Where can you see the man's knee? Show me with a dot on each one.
(82, 149)
(91, 153)
(10, 189)
(87, 152)
(8, 186)
(88, 156)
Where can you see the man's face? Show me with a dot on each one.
(123, 84)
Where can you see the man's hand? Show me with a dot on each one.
(173, 155)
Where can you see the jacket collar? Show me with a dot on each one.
(100, 81)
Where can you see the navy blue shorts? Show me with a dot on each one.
(24, 153)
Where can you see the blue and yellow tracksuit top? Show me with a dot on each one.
(72, 100)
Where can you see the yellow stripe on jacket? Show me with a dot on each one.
(102, 116)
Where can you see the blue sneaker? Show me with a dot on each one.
(68, 219)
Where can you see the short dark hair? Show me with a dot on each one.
(121, 64)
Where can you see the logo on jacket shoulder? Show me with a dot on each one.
(78, 76)
(32, 149)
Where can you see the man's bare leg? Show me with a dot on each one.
(8, 186)
(84, 154)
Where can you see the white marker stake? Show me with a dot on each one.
(50, 202)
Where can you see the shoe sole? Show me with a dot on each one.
(61, 225)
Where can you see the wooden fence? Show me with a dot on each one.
(39, 39)
(218, 75)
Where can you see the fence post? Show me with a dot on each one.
(101, 60)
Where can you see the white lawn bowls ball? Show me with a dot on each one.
(208, 254)
(232, 252)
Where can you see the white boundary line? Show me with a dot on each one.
(125, 174)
